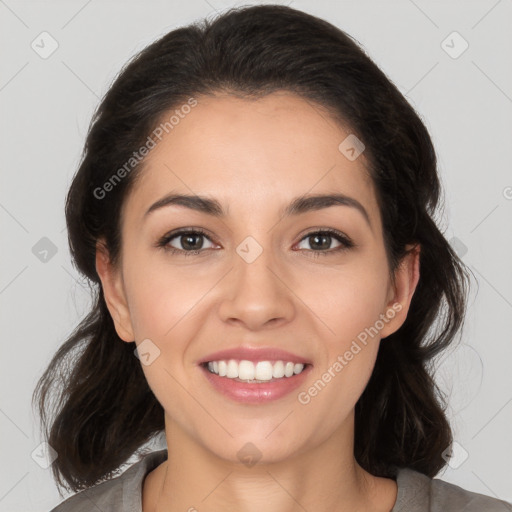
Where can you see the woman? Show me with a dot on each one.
(255, 206)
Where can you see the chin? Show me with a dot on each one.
(249, 452)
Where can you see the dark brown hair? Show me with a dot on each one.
(102, 409)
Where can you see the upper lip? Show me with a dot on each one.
(254, 354)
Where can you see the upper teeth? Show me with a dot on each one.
(247, 370)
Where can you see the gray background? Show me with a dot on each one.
(46, 105)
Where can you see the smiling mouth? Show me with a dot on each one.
(254, 372)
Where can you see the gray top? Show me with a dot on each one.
(416, 493)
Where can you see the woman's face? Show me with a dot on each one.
(260, 279)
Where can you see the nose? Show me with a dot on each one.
(256, 295)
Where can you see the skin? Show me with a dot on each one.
(254, 156)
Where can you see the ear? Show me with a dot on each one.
(407, 276)
(114, 293)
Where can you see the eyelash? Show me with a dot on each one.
(346, 242)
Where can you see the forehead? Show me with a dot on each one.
(251, 154)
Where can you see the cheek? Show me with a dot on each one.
(163, 299)
(348, 300)
(350, 304)
(163, 304)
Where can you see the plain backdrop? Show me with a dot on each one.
(460, 84)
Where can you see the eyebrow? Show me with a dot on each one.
(299, 205)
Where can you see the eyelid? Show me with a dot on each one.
(163, 242)
(345, 241)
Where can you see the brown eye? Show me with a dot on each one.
(321, 241)
(192, 241)
(185, 242)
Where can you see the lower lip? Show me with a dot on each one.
(257, 392)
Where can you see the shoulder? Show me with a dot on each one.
(420, 493)
(448, 496)
(122, 493)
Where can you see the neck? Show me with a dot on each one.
(324, 478)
